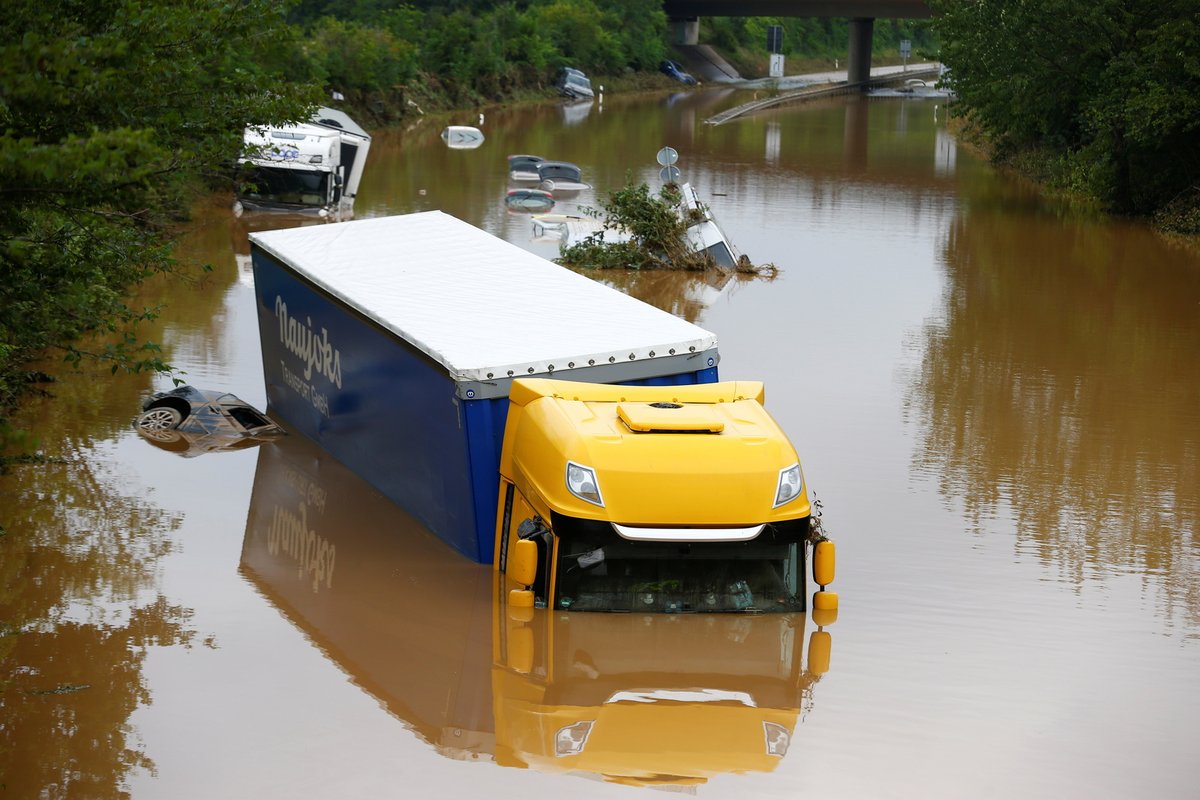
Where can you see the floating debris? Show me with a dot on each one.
(637, 230)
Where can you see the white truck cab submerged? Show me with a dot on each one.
(313, 167)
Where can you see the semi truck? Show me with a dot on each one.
(314, 167)
(640, 698)
(574, 437)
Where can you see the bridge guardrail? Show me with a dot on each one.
(811, 93)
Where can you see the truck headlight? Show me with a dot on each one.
(581, 481)
(790, 484)
(569, 741)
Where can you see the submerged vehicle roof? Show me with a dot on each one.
(559, 169)
(407, 274)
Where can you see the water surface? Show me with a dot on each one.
(995, 399)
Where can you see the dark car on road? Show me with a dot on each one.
(675, 70)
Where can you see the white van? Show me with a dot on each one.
(573, 83)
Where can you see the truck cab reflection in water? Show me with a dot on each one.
(644, 699)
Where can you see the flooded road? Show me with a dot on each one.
(994, 395)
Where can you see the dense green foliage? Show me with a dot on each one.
(111, 113)
(1099, 97)
(472, 51)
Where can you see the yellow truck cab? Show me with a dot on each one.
(670, 499)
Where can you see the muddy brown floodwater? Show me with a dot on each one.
(995, 397)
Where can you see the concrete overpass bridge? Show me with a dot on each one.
(685, 19)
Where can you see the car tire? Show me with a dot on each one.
(159, 418)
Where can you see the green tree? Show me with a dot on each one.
(351, 56)
(1099, 97)
(642, 31)
(111, 113)
(583, 34)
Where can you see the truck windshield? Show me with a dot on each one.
(598, 570)
(287, 186)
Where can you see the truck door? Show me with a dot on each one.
(520, 521)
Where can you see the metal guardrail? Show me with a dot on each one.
(812, 93)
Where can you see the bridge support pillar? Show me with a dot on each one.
(861, 33)
(685, 30)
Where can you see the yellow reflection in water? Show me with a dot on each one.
(644, 699)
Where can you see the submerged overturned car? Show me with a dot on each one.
(191, 421)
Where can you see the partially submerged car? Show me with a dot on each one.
(573, 83)
(560, 177)
(523, 168)
(673, 69)
(191, 422)
(528, 201)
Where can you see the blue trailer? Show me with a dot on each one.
(393, 342)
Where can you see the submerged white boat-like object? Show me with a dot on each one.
(462, 137)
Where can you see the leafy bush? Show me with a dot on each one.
(1111, 87)
(655, 228)
(113, 112)
(350, 56)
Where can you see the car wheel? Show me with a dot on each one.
(159, 418)
(165, 438)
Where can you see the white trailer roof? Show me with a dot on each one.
(485, 309)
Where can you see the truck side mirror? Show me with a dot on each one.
(522, 562)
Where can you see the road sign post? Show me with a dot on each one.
(905, 51)
(775, 48)
(775, 39)
(666, 159)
